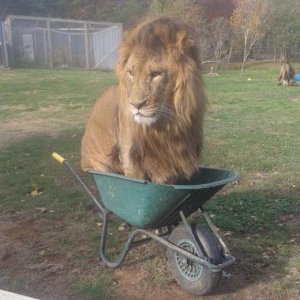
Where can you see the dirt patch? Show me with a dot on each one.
(13, 108)
(24, 241)
(35, 261)
(32, 260)
(290, 220)
(131, 286)
(43, 121)
(14, 131)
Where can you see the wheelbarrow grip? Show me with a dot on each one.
(58, 157)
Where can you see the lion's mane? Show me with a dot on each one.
(165, 150)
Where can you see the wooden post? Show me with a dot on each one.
(50, 56)
(86, 42)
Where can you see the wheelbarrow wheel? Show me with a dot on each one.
(192, 276)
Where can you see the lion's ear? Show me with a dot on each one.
(183, 41)
(187, 46)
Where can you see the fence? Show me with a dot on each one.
(62, 43)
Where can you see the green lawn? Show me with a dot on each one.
(252, 127)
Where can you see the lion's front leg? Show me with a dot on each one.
(132, 170)
(131, 165)
(135, 173)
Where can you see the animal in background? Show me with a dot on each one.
(286, 75)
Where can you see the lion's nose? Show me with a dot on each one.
(139, 104)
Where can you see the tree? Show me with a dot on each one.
(284, 26)
(210, 18)
(54, 8)
(171, 8)
(126, 12)
(216, 8)
(221, 39)
(248, 21)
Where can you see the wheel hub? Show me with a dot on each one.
(188, 268)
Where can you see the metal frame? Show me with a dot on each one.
(159, 238)
(228, 259)
(62, 20)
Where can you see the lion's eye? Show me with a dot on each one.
(130, 74)
(156, 74)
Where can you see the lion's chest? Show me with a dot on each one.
(160, 156)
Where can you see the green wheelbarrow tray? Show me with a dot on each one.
(147, 205)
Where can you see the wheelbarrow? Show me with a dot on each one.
(196, 256)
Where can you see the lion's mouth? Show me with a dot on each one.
(143, 119)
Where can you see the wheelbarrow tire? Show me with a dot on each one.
(192, 276)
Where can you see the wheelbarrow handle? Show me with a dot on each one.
(64, 162)
(58, 157)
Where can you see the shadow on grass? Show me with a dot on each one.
(260, 227)
(250, 219)
(27, 166)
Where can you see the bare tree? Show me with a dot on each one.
(284, 27)
(248, 20)
(220, 29)
(170, 8)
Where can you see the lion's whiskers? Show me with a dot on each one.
(166, 113)
(161, 111)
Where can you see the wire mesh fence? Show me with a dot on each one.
(61, 43)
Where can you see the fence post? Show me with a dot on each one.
(70, 61)
(86, 42)
(11, 53)
(49, 44)
(45, 45)
(5, 52)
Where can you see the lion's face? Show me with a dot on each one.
(157, 68)
(150, 85)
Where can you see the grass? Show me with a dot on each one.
(93, 289)
(252, 126)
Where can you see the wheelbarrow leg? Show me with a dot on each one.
(214, 230)
(122, 256)
(131, 242)
(149, 234)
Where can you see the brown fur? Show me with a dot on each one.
(286, 75)
(159, 81)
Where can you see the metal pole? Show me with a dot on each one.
(108, 24)
(214, 230)
(49, 44)
(45, 45)
(70, 62)
(86, 42)
(10, 39)
(5, 53)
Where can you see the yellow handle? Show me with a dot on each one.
(58, 157)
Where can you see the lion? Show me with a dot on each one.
(286, 75)
(150, 124)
